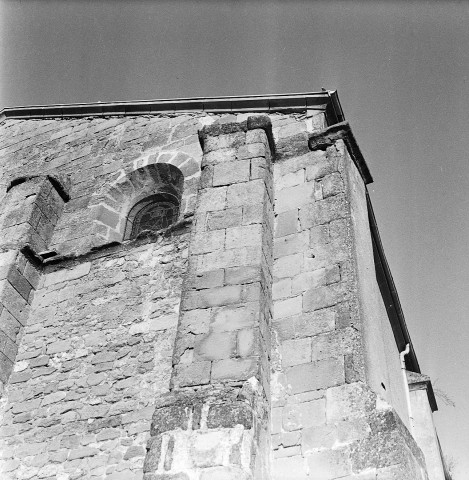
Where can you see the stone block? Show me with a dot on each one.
(291, 244)
(257, 135)
(32, 275)
(320, 167)
(152, 458)
(304, 415)
(281, 289)
(314, 323)
(318, 437)
(288, 266)
(324, 211)
(239, 275)
(316, 278)
(223, 142)
(212, 199)
(286, 439)
(195, 322)
(7, 258)
(230, 217)
(259, 169)
(329, 464)
(326, 255)
(228, 415)
(134, 451)
(296, 351)
(21, 285)
(286, 223)
(247, 343)
(227, 173)
(228, 295)
(234, 369)
(348, 401)
(316, 375)
(8, 347)
(294, 197)
(187, 375)
(9, 324)
(14, 302)
(227, 319)
(216, 346)
(58, 346)
(290, 179)
(323, 297)
(224, 473)
(83, 452)
(206, 450)
(66, 275)
(106, 216)
(252, 150)
(290, 468)
(204, 242)
(253, 214)
(288, 307)
(332, 184)
(335, 344)
(214, 278)
(236, 257)
(287, 451)
(328, 435)
(220, 155)
(40, 361)
(249, 193)
(243, 236)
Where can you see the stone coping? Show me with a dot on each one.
(419, 381)
(326, 100)
(341, 131)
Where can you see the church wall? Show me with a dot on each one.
(106, 383)
(95, 353)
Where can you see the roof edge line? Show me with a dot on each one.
(262, 103)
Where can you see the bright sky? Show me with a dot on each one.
(401, 69)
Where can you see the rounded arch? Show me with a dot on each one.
(115, 203)
(151, 214)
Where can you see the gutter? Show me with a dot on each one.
(390, 296)
(294, 102)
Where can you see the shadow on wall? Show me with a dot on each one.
(129, 206)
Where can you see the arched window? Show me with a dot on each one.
(152, 214)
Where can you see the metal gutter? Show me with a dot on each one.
(390, 296)
(299, 102)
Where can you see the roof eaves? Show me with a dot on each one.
(325, 100)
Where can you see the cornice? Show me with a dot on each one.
(299, 102)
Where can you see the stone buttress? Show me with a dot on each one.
(214, 423)
(330, 419)
(29, 212)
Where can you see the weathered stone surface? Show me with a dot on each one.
(96, 329)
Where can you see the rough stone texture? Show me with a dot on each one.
(204, 350)
(319, 362)
(91, 360)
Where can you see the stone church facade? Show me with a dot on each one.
(196, 289)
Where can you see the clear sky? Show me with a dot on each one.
(401, 69)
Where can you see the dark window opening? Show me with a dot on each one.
(152, 214)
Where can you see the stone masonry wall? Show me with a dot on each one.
(222, 350)
(161, 358)
(95, 354)
(326, 420)
(95, 343)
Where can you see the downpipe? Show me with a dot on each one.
(406, 386)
